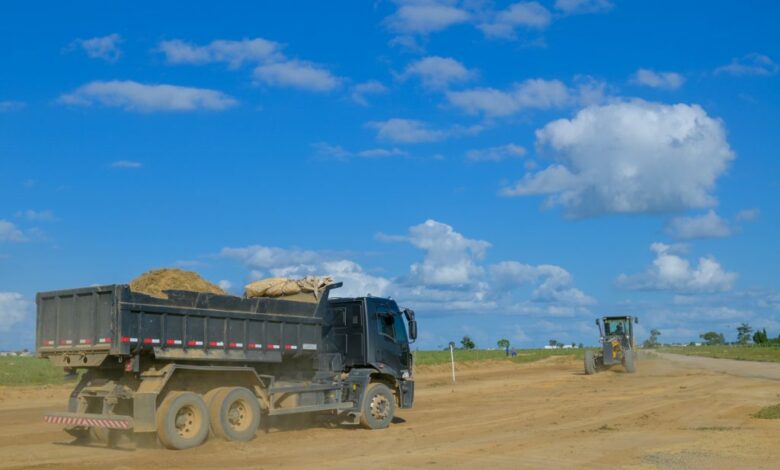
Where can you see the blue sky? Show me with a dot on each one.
(507, 169)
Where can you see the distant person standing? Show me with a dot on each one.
(514, 352)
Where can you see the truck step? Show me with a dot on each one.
(305, 409)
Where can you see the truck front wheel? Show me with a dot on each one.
(235, 413)
(182, 420)
(378, 407)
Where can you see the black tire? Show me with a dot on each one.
(235, 413)
(378, 407)
(590, 363)
(182, 420)
(628, 361)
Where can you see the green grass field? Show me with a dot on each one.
(742, 353)
(523, 355)
(29, 371)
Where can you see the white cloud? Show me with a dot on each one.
(104, 47)
(225, 285)
(13, 309)
(406, 131)
(438, 72)
(496, 154)
(327, 150)
(296, 74)
(134, 96)
(553, 283)
(750, 64)
(530, 15)
(709, 225)
(382, 153)
(572, 7)
(630, 157)
(425, 16)
(663, 80)
(10, 232)
(7, 106)
(530, 94)
(233, 53)
(670, 271)
(748, 215)
(339, 152)
(372, 87)
(126, 164)
(37, 216)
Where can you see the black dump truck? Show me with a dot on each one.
(175, 369)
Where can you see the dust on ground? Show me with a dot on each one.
(498, 415)
(156, 281)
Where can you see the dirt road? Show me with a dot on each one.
(500, 415)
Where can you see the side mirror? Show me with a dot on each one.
(413, 330)
(636, 320)
(598, 322)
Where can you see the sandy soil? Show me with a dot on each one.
(499, 415)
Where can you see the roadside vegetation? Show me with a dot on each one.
(470, 355)
(29, 371)
(770, 412)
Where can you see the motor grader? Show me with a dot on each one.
(617, 345)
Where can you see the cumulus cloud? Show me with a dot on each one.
(496, 154)
(233, 53)
(630, 157)
(296, 74)
(103, 47)
(13, 309)
(709, 225)
(530, 94)
(372, 87)
(37, 216)
(126, 164)
(571, 7)
(425, 16)
(407, 131)
(438, 72)
(140, 97)
(663, 80)
(751, 64)
(672, 272)
(553, 283)
(9, 232)
(532, 15)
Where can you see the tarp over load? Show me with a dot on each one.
(307, 289)
(157, 281)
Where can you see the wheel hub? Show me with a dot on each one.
(186, 421)
(380, 407)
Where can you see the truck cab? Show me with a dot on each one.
(373, 333)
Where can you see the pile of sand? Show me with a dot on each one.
(156, 281)
(307, 289)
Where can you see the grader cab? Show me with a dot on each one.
(617, 345)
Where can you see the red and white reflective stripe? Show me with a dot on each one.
(290, 347)
(255, 346)
(104, 340)
(66, 342)
(151, 341)
(273, 346)
(48, 342)
(310, 346)
(236, 345)
(216, 344)
(194, 342)
(85, 341)
(91, 422)
(173, 342)
(127, 339)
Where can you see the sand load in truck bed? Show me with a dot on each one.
(307, 289)
(157, 281)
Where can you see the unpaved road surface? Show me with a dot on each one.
(499, 415)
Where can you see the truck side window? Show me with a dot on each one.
(386, 325)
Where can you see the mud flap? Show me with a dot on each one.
(406, 388)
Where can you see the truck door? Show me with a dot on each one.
(392, 345)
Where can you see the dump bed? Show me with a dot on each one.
(82, 327)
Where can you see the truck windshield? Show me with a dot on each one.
(400, 329)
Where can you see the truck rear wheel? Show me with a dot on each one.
(182, 420)
(590, 363)
(378, 407)
(235, 413)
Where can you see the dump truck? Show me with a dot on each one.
(617, 345)
(175, 370)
